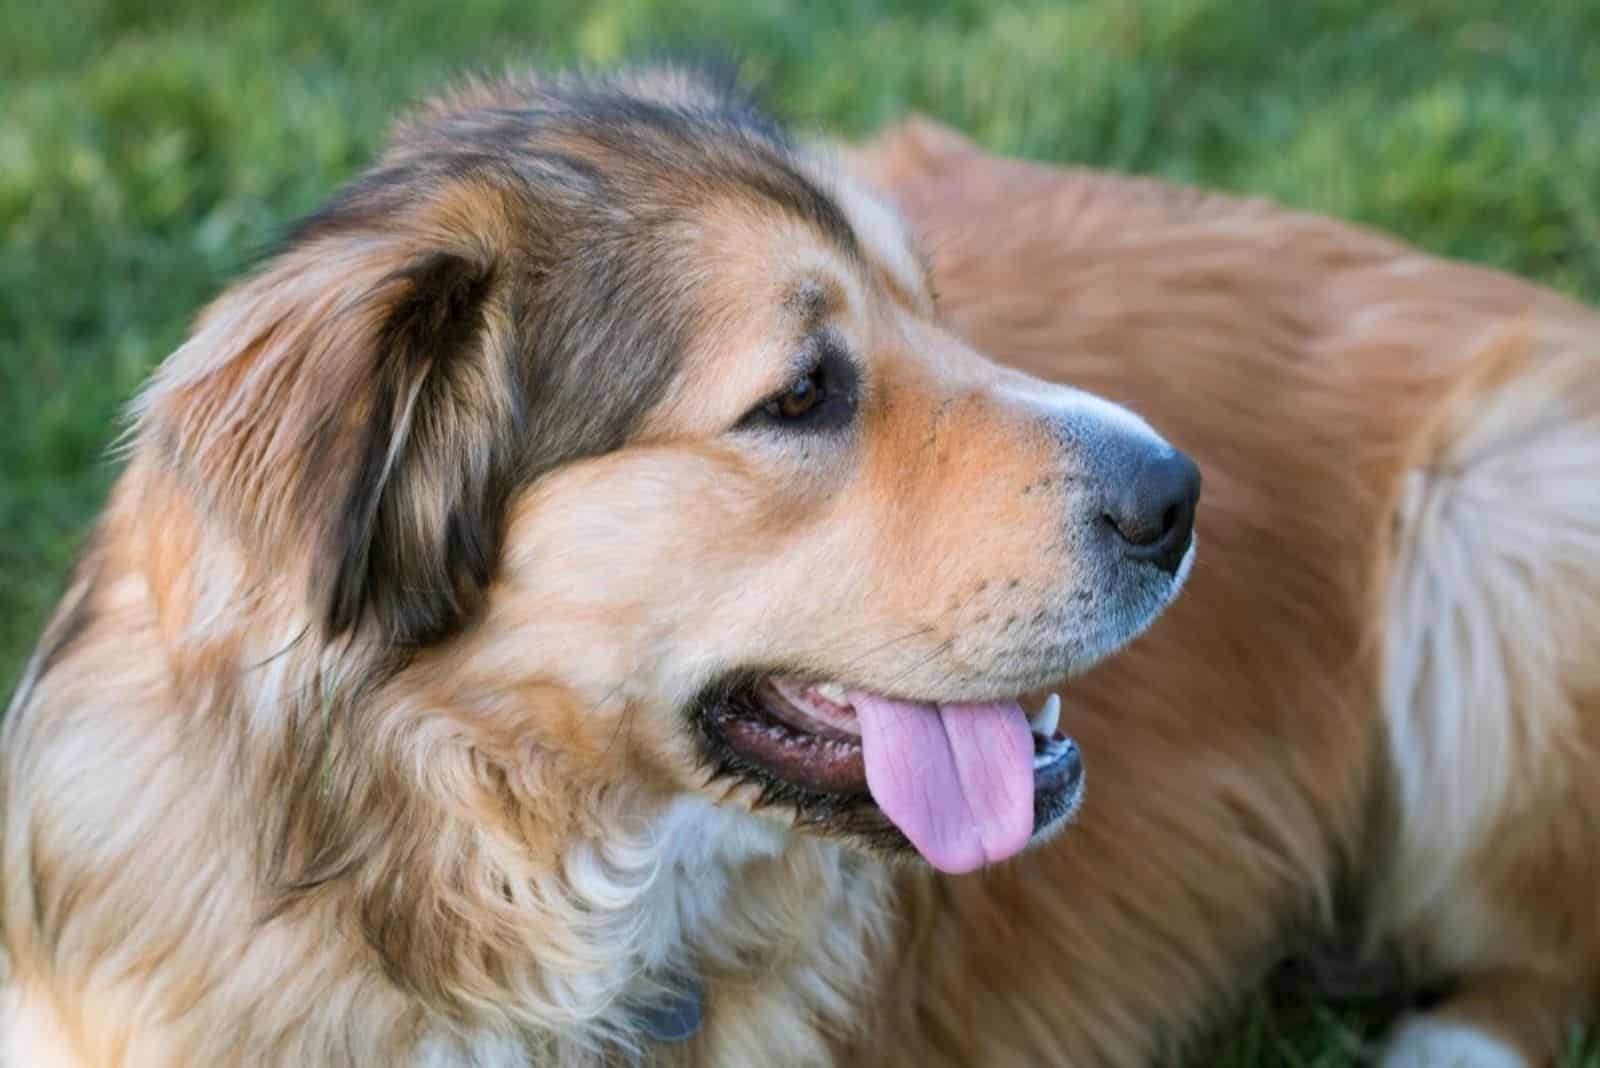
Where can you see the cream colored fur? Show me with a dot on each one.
(1491, 623)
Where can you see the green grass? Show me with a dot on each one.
(148, 149)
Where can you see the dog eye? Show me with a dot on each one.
(801, 399)
(821, 400)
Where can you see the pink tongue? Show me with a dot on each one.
(956, 779)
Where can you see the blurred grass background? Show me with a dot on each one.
(149, 148)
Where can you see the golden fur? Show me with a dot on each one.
(357, 739)
(368, 731)
(1365, 727)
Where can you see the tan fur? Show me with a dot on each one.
(236, 833)
(299, 776)
(1380, 689)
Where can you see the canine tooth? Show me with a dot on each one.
(1048, 718)
(832, 691)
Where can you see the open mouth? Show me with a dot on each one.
(965, 784)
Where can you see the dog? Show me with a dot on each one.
(551, 613)
(1364, 733)
(455, 675)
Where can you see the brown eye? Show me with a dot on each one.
(821, 401)
(800, 399)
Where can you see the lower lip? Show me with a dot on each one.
(1057, 786)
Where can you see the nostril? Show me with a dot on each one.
(1152, 512)
(1142, 527)
(1135, 529)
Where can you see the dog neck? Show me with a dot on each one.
(538, 911)
(631, 934)
(622, 923)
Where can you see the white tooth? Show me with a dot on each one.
(832, 691)
(1048, 718)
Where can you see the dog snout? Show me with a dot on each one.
(1151, 491)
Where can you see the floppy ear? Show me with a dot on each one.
(416, 536)
(354, 414)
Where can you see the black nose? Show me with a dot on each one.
(1151, 507)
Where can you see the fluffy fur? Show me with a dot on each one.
(359, 736)
(375, 726)
(1363, 733)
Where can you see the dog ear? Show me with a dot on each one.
(353, 413)
(415, 538)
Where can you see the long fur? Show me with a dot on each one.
(1364, 731)
(1490, 632)
(355, 738)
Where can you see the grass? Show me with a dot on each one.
(150, 148)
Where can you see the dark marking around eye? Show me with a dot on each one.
(823, 398)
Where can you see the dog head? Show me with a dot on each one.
(624, 429)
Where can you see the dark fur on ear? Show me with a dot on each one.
(507, 290)
(418, 555)
(355, 418)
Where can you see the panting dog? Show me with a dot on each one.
(541, 602)
(586, 599)
(1364, 733)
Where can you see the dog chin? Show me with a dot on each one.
(1149, 597)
